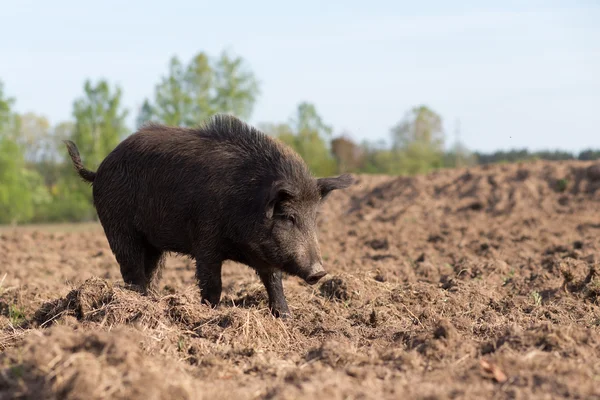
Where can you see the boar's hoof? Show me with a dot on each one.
(212, 304)
(280, 310)
(314, 278)
(281, 313)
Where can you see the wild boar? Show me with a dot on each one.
(222, 191)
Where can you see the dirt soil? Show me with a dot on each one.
(477, 283)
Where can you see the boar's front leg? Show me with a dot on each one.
(277, 303)
(208, 273)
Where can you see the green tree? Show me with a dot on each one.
(8, 120)
(35, 137)
(16, 183)
(312, 136)
(377, 157)
(308, 135)
(190, 94)
(417, 142)
(98, 128)
(42, 149)
(6, 104)
(282, 131)
(199, 83)
(146, 114)
(307, 119)
(61, 131)
(15, 194)
(99, 122)
(502, 156)
(172, 103)
(419, 125)
(183, 97)
(236, 87)
(589, 154)
(459, 156)
(50, 164)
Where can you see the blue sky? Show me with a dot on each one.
(515, 73)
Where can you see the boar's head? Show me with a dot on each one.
(290, 238)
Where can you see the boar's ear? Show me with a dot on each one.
(277, 194)
(326, 185)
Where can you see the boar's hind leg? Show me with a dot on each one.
(274, 286)
(129, 250)
(208, 273)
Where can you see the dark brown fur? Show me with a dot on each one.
(224, 191)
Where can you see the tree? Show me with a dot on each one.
(15, 197)
(61, 131)
(417, 142)
(146, 114)
(420, 125)
(16, 183)
(348, 155)
(171, 100)
(42, 148)
(459, 156)
(504, 156)
(199, 83)
(8, 120)
(589, 154)
(35, 137)
(98, 128)
(50, 163)
(236, 88)
(308, 120)
(99, 122)
(6, 104)
(282, 131)
(376, 157)
(190, 94)
(308, 135)
(312, 136)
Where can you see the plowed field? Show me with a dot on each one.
(478, 283)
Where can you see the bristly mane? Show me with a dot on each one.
(231, 129)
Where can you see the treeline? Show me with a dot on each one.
(38, 184)
(525, 155)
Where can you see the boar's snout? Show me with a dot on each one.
(315, 273)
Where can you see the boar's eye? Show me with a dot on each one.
(289, 220)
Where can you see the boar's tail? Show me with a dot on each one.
(85, 174)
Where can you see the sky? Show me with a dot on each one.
(509, 74)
